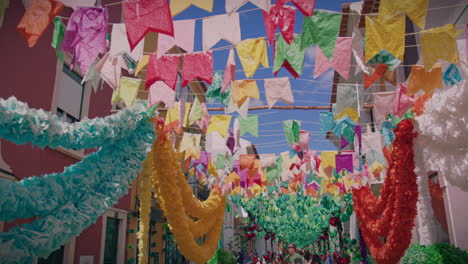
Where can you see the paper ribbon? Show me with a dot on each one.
(282, 17)
(220, 124)
(143, 16)
(291, 57)
(127, 90)
(251, 53)
(164, 68)
(233, 5)
(439, 43)
(230, 71)
(340, 61)
(248, 125)
(322, 29)
(197, 65)
(159, 92)
(184, 35)
(278, 89)
(420, 79)
(388, 34)
(415, 10)
(242, 89)
(219, 27)
(179, 6)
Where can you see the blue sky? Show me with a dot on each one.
(271, 138)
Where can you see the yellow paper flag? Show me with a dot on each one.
(388, 34)
(241, 89)
(439, 43)
(251, 53)
(416, 10)
(219, 123)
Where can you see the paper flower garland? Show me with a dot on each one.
(67, 202)
(145, 209)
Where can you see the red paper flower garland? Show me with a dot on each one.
(391, 216)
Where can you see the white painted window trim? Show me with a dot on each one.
(5, 166)
(121, 215)
(69, 251)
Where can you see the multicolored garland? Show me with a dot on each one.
(392, 214)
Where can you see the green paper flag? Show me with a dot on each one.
(291, 56)
(214, 90)
(248, 125)
(59, 31)
(127, 90)
(291, 130)
(219, 161)
(322, 29)
(196, 113)
(272, 173)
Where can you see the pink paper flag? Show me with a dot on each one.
(340, 61)
(402, 102)
(304, 139)
(160, 92)
(344, 162)
(278, 89)
(164, 68)
(184, 35)
(305, 6)
(219, 27)
(110, 69)
(230, 71)
(197, 65)
(85, 37)
(143, 16)
(282, 17)
(233, 5)
(383, 105)
(206, 119)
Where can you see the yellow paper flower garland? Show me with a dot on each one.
(180, 205)
(145, 210)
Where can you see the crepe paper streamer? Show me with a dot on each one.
(78, 3)
(402, 101)
(197, 65)
(37, 18)
(346, 101)
(282, 17)
(109, 172)
(344, 162)
(439, 43)
(242, 89)
(383, 105)
(164, 68)
(219, 27)
(215, 90)
(220, 124)
(340, 61)
(415, 10)
(376, 74)
(86, 40)
(57, 37)
(249, 125)
(110, 69)
(127, 91)
(142, 63)
(387, 132)
(184, 35)
(278, 89)
(322, 29)
(119, 43)
(291, 130)
(291, 57)
(452, 75)
(143, 16)
(420, 79)
(233, 5)
(251, 53)
(178, 7)
(93, 75)
(230, 71)
(388, 34)
(159, 92)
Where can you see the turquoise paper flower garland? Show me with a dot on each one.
(68, 202)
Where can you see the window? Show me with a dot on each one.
(111, 240)
(55, 257)
(70, 93)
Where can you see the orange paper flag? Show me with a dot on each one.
(428, 81)
(36, 19)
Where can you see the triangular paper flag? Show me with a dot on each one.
(219, 123)
(233, 5)
(242, 89)
(340, 61)
(439, 43)
(164, 68)
(219, 27)
(230, 71)
(197, 65)
(278, 89)
(416, 10)
(322, 29)
(388, 34)
(291, 57)
(282, 17)
(249, 125)
(251, 53)
(184, 36)
(127, 91)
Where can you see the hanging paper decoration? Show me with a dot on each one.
(377, 73)
(305, 6)
(230, 71)
(37, 18)
(220, 124)
(242, 89)
(428, 81)
(278, 89)
(439, 43)
(385, 57)
(304, 140)
(215, 90)
(340, 61)
(164, 68)
(344, 162)
(159, 92)
(402, 101)
(120, 45)
(184, 36)
(291, 130)
(326, 122)
(197, 65)
(322, 29)
(452, 75)
(291, 57)
(241, 110)
(388, 34)
(127, 90)
(205, 121)
(110, 69)
(383, 105)
(78, 3)
(415, 10)
(249, 125)
(86, 40)
(57, 37)
(190, 143)
(233, 5)
(196, 112)
(143, 16)
(93, 75)
(328, 159)
(282, 17)
(178, 7)
(346, 102)
(219, 27)
(251, 53)
(387, 132)
(358, 51)
(145, 197)
(142, 64)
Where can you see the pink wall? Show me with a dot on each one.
(29, 75)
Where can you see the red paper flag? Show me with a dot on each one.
(164, 68)
(378, 73)
(197, 65)
(282, 17)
